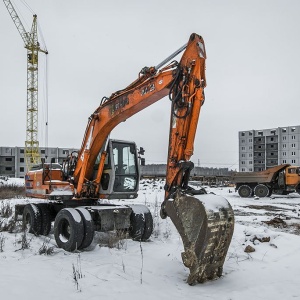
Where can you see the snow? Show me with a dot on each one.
(154, 269)
(213, 202)
(75, 214)
(87, 216)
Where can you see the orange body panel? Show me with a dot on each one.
(39, 186)
(292, 176)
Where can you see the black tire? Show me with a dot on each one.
(148, 226)
(88, 226)
(68, 229)
(245, 191)
(46, 218)
(32, 220)
(141, 223)
(270, 192)
(261, 190)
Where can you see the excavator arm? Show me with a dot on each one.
(184, 82)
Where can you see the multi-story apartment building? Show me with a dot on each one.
(12, 160)
(265, 148)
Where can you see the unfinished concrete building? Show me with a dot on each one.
(265, 148)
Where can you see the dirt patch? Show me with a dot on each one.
(266, 207)
(11, 191)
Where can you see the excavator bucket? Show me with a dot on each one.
(205, 223)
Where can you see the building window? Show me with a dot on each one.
(243, 134)
(243, 162)
(293, 137)
(284, 161)
(284, 138)
(283, 129)
(293, 153)
(21, 169)
(250, 140)
(250, 162)
(250, 154)
(243, 141)
(43, 151)
(250, 169)
(293, 161)
(250, 147)
(273, 132)
(21, 150)
(243, 155)
(293, 129)
(250, 133)
(8, 158)
(21, 159)
(8, 168)
(272, 139)
(260, 133)
(243, 148)
(243, 169)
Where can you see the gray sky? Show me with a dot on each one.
(98, 47)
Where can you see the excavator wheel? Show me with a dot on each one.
(88, 227)
(141, 223)
(68, 229)
(205, 223)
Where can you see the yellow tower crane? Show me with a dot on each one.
(30, 39)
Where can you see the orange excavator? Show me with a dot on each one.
(105, 168)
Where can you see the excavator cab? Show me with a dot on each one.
(121, 172)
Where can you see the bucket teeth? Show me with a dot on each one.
(205, 224)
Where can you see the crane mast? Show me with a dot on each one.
(30, 39)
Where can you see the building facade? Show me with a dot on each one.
(265, 148)
(12, 160)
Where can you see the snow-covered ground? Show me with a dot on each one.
(154, 269)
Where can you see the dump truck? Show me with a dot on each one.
(282, 179)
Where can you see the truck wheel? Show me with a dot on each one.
(46, 218)
(88, 226)
(270, 192)
(261, 190)
(32, 220)
(245, 191)
(68, 229)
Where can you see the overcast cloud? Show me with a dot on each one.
(97, 47)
